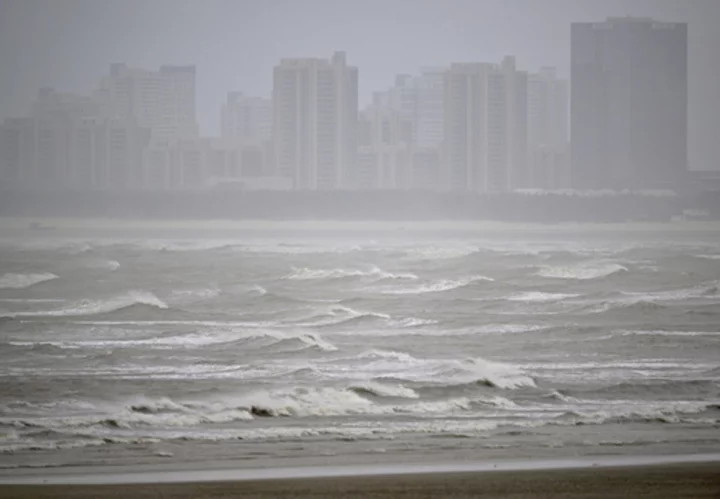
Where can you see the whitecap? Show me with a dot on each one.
(439, 286)
(376, 273)
(581, 272)
(540, 297)
(95, 307)
(21, 281)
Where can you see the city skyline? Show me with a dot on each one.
(236, 44)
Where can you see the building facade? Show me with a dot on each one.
(628, 104)
(315, 120)
(244, 117)
(161, 100)
(548, 130)
(66, 142)
(485, 139)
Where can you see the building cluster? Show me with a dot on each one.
(478, 127)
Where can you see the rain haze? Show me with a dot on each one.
(250, 240)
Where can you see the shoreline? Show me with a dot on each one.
(224, 471)
(660, 481)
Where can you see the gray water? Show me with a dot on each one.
(264, 348)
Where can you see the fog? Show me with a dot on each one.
(261, 242)
(237, 46)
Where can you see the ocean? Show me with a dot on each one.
(264, 347)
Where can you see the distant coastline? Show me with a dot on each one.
(406, 207)
(59, 226)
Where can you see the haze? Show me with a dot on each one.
(69, 44)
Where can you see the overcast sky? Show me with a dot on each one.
(69, 44)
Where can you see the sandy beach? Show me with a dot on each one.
(689, 480)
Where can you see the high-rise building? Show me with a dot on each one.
(162, 100)
(628, 104)
(516, 125)
(245, 117)
(315, 120)
(548, 137)
(485, 127)
(419, 101)
(430, 110)
(66, 143)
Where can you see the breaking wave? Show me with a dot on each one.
(439, 286)
(261, 338)
(96, 307)
(304, 274)
(540, 297)
(21, 281)
(581, 272)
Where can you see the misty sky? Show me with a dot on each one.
(69, 44)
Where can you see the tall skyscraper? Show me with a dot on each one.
(315, 121)
(162, 100)
(65, 142)
(485, 127)
(628, 104)
(245, 117)
(430, 118)
(548, 130)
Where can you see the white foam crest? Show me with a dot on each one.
(32, 300)
(110, 265)
(336, 314)
(387, 355)
(22, 281)
(314, 340)
(581, 272)
(506, 329)
(624, 411)
(411, 322)
(197, 339)
(377, 273)
(384, 390)
(94, 307)
(436, 407)
(474, 370)
(439, 252)
(713, 334)
(541, 297)
(709, 257)
(439, 286)
(706, 290)
(184, 296)
(309, 402)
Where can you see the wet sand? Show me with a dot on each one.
(689, 480)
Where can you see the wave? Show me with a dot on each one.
(22, 281)
(540, 297)
(709, 257)
(384, 390)
(667, 412)
(439, 286)
(110, 265)
(335, 315)
(189, 296)
(96, 307)
(439, 253)
(403, 367)
(706, 290)
(581, 272)
(263, 338)
(386, 354)
(304, 274)
(658, 389)
(682, 334)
